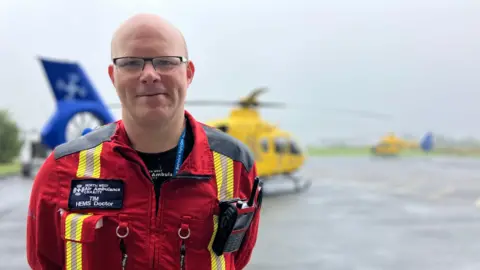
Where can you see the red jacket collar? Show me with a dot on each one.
(198, 162)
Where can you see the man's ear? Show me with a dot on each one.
(110, 73)
(190, 72)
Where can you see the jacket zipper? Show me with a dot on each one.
(148, 176)
(183, 234)
(182, 255)
(183, 226)
(154, 254)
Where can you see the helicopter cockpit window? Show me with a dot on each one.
(294, 149)
(264, 145)
(281, 145)
(223, 128)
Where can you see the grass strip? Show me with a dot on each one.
(10, 168)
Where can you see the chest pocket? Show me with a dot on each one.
(86, 238)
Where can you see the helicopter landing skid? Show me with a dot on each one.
(299, 185)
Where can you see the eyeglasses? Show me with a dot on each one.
(160, 64)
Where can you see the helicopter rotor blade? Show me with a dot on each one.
(278, 105)
(220, 103)
(267, 104)
(235, 103)
(255, 93)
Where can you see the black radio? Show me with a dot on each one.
(234, 220)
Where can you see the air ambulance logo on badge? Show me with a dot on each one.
(96, 194)
(78, 190)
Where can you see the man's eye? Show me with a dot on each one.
(131, 63)
(165, 63)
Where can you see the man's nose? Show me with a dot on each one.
(149, 74)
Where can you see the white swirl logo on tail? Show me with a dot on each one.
(72, 88)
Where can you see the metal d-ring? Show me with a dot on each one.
(126, 233)
(180, 233)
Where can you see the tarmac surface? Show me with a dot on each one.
(360, 213)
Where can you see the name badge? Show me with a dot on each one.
(96, 194)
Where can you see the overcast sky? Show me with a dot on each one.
(418, 61)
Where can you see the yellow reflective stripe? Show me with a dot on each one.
(89, 162)
(82, 162)
(88, 166)
(96, 161)
(73, 232)
(218, 262)
(224, 175)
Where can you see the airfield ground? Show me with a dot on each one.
(360, 213)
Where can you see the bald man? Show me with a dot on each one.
(154, 190)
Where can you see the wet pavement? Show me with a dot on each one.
(14, 194)
(360, 213)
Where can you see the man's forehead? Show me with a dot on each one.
(147, 48)
(147, 30)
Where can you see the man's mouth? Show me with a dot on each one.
(151, 95)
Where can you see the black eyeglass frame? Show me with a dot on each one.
(183, 59)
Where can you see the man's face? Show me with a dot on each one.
(156, 93)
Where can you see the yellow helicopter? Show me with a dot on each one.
(276, 151)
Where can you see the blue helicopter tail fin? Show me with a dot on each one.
(68, 81)
(74, 94)
(427, 142)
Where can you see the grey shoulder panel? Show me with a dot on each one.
(90, 140)
(229, 146)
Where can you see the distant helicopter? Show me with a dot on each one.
(392, 145)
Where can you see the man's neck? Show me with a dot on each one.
(154, 138)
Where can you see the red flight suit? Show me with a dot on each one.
(95, 189)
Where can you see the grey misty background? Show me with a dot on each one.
(417, 61)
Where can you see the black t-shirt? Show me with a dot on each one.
(161, 165)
